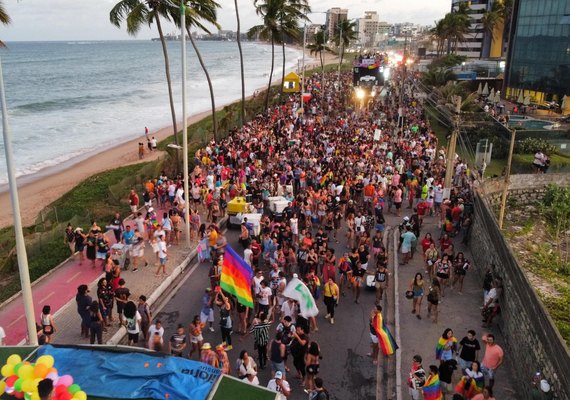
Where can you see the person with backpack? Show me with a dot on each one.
(417, 378)
(319, 393)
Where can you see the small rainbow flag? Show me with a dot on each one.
(442, 344)
(236, 277)
(324, 178)
(385, 339)
(432, 388)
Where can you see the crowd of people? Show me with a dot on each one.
(342, 169)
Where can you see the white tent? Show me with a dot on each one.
(485, 90)
(492, 95)
(479, 89)
(520, 99)
(497, 97)
(526, 101)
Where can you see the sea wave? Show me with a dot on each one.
(61, 104)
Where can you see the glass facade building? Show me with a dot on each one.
(538, 61)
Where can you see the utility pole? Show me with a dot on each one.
(21, 254)
(303, 67)
(452, 146)
(507, 179)
(185, 125)
(341, 49)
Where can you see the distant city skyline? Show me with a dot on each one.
(34, 20)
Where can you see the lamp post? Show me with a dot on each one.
(507, 179)
(20, 243)
(185, 124)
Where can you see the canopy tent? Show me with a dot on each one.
(479, 89)
(520, 99)
(291, 83)
(526, 100)
(485, 90)
(492, 95)
(497, 97)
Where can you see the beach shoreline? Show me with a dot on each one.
(37, 191)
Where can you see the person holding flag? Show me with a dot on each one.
(380, 335)
(432, 387)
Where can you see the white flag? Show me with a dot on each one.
(298, 291)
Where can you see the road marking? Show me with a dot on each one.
(73, 277)
(42, 301)
(15, 321)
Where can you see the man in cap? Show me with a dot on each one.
(208, 356)
(279, 385)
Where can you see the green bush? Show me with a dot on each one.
(532, 145)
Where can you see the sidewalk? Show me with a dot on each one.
(458, 312)
(59, 288)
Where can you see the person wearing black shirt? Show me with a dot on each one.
(117, 226)
(468, 350)
(357, 277)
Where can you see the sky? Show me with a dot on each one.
(34, 20)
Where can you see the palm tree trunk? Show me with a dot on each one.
(167, 71)
(283, 66)
(271, 73)
(213, 101)
(242, 115)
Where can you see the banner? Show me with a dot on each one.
(133, 375)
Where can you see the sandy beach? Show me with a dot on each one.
(37, 192)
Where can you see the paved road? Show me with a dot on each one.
(347, 371)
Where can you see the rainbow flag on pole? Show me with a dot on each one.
(236, 277)
(385, 339)
(432, 388)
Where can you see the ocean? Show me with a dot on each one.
(69, 100)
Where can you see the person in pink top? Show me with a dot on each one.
(487, 394)
(492, 359)
(398, 199)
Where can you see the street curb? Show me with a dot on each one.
(397, 322)
(162, 288)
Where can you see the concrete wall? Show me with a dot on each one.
(532, 341)
(524, 188)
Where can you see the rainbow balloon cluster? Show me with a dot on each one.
(23, 377)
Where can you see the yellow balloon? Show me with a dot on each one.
(46, 360)
(28, 386)
(14, 359)
(2, 387)
(7, 370)
(26, 372)
(35, 396)
(81, 395)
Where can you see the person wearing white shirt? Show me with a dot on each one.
(247, 255)
(279, 385)
(155, 336)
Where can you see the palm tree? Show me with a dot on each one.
(4, 19)
(196, 12)
(491, 18)
(438, 33)
(269, 30)
(242, 114)
(136, 13)
(344, 34)
(319, 46)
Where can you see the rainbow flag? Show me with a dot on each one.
(324, 178)
(432, 388)
(442, 344)
(385, 339)
(236, 277)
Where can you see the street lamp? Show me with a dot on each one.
(20, 243)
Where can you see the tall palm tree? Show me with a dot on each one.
(268, 10)
(490, 19)
(320, 45)
(345, 33)
(438, 33)
(4, 19)
(242, 114)
(196, 12)
(137, 13)
(290, 15)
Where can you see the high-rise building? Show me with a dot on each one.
(334, 16)
(538, 60)
(368, 29)
(473, 45)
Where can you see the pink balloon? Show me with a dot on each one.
(53, 376)
(65, 380)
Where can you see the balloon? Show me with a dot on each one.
(46, 360)
(28, 396)
(74, 388)
(29, 386)
(35, 396)
(40, 371)
(14, 359)
(26, 371)
(52, 369)
(11, 380)
(59, 389)
(81, 395)
(2, 387)
(65, 380)
(65, 396)
(53, 376)
(18, 395)
(18, 385)
(7, 370)
(17, 367)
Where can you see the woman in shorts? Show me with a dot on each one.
(417, 286)
(433, 299)
(442, 268)
(312, 362)
(196, 338)
(460, 267)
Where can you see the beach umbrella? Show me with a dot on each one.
(485, 91)
(526, 101)
(520, 100)
(479, 89)
(492, 95)
(565, 105)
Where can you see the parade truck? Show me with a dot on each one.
(368, 71)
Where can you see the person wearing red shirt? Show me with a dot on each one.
(134, 201)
